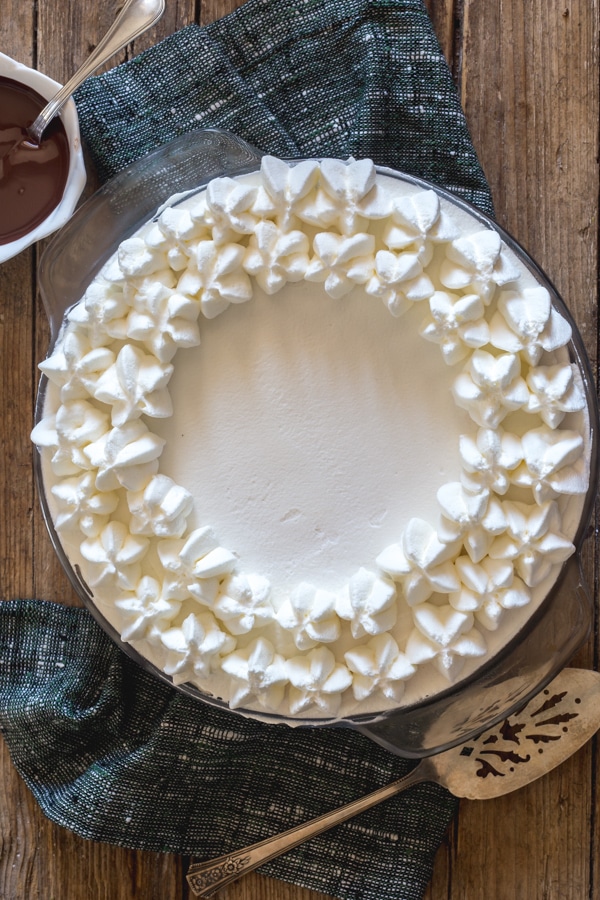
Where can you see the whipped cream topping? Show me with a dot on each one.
(445, 591)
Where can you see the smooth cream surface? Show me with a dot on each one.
(302, 424)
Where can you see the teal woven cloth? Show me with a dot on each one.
(362, 78)
(107, 750)
(116, 756)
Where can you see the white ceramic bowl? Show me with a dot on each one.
(10, 68)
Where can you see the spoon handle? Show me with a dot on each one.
(206, 878)
(135, 17)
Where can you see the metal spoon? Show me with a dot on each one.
(552, 726)
(135, 17)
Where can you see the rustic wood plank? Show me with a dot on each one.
(216, 9)
(17, 292)
(17, 31)
(67, 33)
(530, 96)
(443, 14)
(530, 93)
(16, 481)
(529, 844)
(177, 14)
(258, 887)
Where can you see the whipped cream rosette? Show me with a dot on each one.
(350, 490)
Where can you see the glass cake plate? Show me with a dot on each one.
(551, 635)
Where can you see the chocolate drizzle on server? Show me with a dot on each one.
(524, 734)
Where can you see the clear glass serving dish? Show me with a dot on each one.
(551, 635)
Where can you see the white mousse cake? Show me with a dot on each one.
(362, 483)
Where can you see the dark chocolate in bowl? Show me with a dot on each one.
(32, 178)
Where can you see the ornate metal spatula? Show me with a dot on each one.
(525, 746)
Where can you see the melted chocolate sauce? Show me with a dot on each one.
(32, 177)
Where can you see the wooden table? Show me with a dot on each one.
(528, 78)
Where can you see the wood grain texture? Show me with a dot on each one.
(529, 87)
(528, 79)
(443, 14)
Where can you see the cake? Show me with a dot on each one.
(366, 478)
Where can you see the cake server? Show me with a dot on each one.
(548, 730)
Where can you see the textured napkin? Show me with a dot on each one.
(107, 750)
(361, 78)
